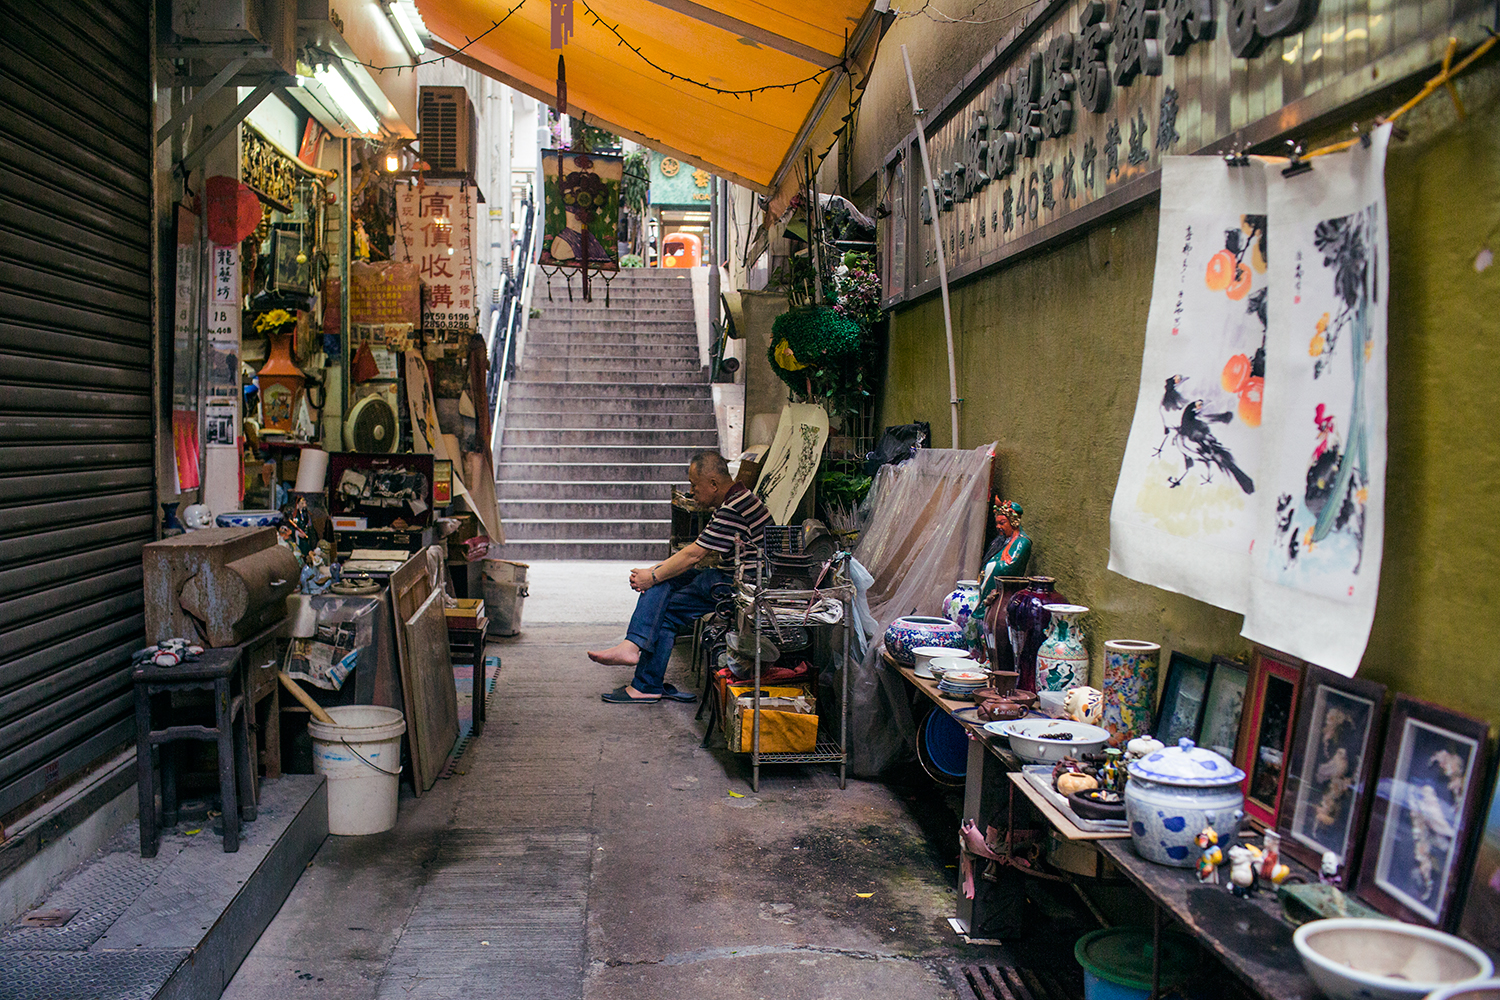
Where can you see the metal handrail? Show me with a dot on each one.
(506, 350)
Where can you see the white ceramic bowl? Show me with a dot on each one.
(924, 655)
(939, 666)
(1363, 958)
(1026, 739)
(1487, 989)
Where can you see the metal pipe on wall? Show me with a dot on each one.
(919, 113)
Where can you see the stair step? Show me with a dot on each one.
(659, 491)
(594, 549)
(700, 438)
(528, 454)
(638, 349)
(583, 367)
(592, 389)
(646, 309)
(607, 324)
(656, 377)
(572, 418)
(589, 472)
(609, 412)
(603, 528)
(591, 509)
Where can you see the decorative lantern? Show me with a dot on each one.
(280, 379)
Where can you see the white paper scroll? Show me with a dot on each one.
(1184, 508)
(1321, 519)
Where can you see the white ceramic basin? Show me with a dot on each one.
(1352, 958)
(1489, 989)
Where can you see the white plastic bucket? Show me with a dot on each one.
(361, 757)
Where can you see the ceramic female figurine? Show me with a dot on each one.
(1270, 865)
(1211, 858)
(1241, 872)
(1008, 553)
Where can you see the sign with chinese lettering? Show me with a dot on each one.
(437, 226)
(385, 292)
(678, 184)
(1070, 119)
(222, 374)
(583, 209)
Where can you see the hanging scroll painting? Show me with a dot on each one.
(582, 192)
(1183, 515)
(1316, 568)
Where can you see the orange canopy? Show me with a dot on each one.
(735, 45)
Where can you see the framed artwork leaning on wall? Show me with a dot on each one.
(1335, 747)
(1182, 698)
(1223, 707)
(1418, 841)
(1266, 734)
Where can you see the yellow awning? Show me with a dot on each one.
(735, 45)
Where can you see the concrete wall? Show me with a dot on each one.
(1049, 354)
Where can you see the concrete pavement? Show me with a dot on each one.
(589, 850)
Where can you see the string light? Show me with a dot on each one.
(751, 91)
(425, 62)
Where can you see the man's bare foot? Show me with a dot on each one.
(623, 654)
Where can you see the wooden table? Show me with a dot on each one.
(1248, 935)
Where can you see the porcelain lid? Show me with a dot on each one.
(1187, 765)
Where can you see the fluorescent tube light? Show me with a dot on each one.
(407, 27)
(349, 102)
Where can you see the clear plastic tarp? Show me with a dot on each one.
(926, 531)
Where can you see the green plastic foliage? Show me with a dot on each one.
(819, 338)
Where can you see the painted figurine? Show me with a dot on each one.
(1242, 880)
(1211, 858)
(1270, 866)
(1008, 553)
(1328, 871)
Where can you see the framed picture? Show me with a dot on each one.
(287, 275)
(1480, 918)
(1426, 799)
(1334, 750)
(1266, 736)
(1223, 706)
(1182, 698)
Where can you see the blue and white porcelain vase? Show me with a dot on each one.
(959, 606)
(1173, 794)
(1062, 662)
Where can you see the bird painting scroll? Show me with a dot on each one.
(1184, 508)
(1318, 549)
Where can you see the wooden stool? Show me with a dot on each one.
(466, 645)
(214, 671)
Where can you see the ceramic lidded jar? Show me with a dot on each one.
(1173, 794)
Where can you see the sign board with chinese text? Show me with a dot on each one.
(582, 218)
(1067, 121)
(676, 184)
(384, 292)
(436, 234)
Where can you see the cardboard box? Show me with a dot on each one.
(468, 614)
(788, 719)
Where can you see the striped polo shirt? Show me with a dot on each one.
(741, 515)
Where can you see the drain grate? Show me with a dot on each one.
(1003, 982)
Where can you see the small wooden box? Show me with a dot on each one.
(468, 614)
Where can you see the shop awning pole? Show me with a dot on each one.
(919, 113)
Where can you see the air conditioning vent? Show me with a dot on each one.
(449, 131)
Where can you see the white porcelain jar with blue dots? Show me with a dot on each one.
(1173, 794)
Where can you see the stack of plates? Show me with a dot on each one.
(962, 683)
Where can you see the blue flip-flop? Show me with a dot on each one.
(620, 696)
(671, 692)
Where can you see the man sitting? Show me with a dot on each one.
(676, 591)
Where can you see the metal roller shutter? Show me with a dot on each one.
(76, 455)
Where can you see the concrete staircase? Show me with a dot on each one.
(602, 417)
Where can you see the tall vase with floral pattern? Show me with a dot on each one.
(1062, 662)
(1130, 668)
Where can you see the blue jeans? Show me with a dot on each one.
(660, 613)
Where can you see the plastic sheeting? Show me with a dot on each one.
(926, 532)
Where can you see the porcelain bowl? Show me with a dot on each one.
(1488, 989)
(906, 634)
(1025, 739)
(249, 519)
(923, 656)
(940, 665)
(1360, 958)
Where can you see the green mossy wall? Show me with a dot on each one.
(1049, 354)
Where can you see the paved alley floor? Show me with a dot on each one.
(588, 850)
